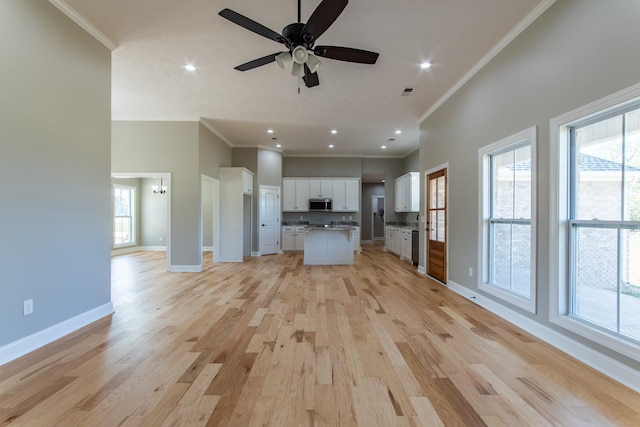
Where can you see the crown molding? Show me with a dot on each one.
(515, 32)
(84, 24)
(213, 130)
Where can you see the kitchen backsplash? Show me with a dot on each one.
(319, 217)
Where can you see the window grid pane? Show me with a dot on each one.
(605, 288)
(509, 222)
(441, 193)
(123, 215)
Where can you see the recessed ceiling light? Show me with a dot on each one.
(384, 147)
(425, 65)
(331, 145)
(333, 131)
(190, 67)
(398, 132)
(270, 131)
(279, 145)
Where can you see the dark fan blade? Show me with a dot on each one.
(258, 62)
(250, 24)
(324, 15)
(347, 54)
(310, 79)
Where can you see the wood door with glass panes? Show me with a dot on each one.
(437, 225)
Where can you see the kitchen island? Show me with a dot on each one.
(328, 245)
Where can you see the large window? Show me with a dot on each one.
(595, 230)
(123, 215)
(507, 212)
(604, 221)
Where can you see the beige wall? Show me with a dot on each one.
(170, 147)
(185, 150)
(55, 221)
(214, 153)
(577, 52)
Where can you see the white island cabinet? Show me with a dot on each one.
(328, 246)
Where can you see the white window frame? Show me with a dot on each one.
(484, 168)
(559, 193)
(133, 216)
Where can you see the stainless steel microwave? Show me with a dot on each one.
(320, 205)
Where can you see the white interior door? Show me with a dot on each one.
(269, 220)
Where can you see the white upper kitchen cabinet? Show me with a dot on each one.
(346, 195)
(247, 182)
(320, 189)
(407, 197)
(295, 195)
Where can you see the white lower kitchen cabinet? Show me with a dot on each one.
(398, 241)
(392, 239)
(292, 238)
(405, 244)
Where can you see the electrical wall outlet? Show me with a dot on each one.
(160, 238)
(27, 307)
(470, 271)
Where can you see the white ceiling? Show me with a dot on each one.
(152, 40)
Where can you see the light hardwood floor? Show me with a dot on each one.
(272, 342)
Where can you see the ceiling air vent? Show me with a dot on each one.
(408, 91)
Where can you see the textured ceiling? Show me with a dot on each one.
(152, 40)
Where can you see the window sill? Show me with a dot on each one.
(526, 304)
(597, 335)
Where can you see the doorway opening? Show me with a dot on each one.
(153, 211)
(377, 218)
(210, 201)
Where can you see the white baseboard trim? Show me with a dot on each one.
(152, 248)
(598, 361)
(185, 268)
(41, 338)
(129, 249)
(422, 270)
(207, 249)
(256, 253)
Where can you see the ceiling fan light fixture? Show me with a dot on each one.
(300, 55)
(297, 69)
(283, 60)
(313, 63)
